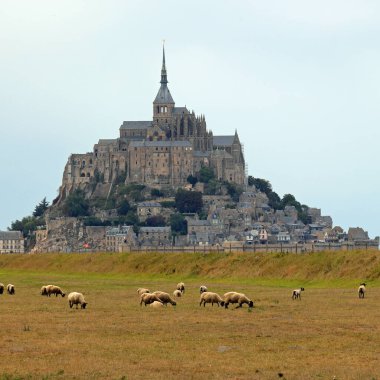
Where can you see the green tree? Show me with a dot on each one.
(41, 208)
(233, 190)
(75, 204)
(206, 174)
(178, 224)
(156, 193)
(261, 184)
(188, 201)
(26, 225)
(123, 208)
(155, 221)
(192, 180)
(274, 201)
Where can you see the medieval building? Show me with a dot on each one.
(165, 150)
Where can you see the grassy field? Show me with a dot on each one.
(329, 334)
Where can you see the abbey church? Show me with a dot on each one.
(159, 152)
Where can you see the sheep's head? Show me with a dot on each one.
(250, 304)
(222, 304)
(174, 303)
(63, 294)
(302, 289)
(84, 304)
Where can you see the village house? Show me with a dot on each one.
(117, 237)
(153, 236)
(11, 242)
(146, 210)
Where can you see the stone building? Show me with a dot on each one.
(148, 209)
(117, 237)
(151, 236)
(11, 242)
(162, 151)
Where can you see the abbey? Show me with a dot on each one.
(162, 151)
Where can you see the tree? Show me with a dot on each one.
(41, 208)
(274, 201)
(192, 180)
(156, 193)
(261, 184)
(26, 225)
(155, 221)
(188, 201)
(206, 174)
(233, 190)
(178, 224)
(123, 208)
(75, 204)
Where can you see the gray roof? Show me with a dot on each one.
(10, 235)
(179, 110)
(149, 204)
(160, 143)
(121, 230)
(198, 153)
(155, 229)
(223, 140)
(163, 95)
(193, 222)
(136, 124)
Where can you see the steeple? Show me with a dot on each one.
(164, 76)
(163, 96)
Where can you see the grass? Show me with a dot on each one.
(330, 332)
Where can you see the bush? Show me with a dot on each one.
(188, 201)
(178, 224)
(75, 204)
(206, 174)
(155, 221)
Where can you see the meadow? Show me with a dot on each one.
(329, 334)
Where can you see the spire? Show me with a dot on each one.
(164, 76)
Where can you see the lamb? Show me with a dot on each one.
(239, 298)
(202, 289)
(181, 287)
(76, 298)
(361, 290)
(156, 304)
(149, 298)
(210, 297)
(10, 289)
(297, 293)
(142, 291)
(53, 289)
(1, 288)
(177, 293)
(165, 298)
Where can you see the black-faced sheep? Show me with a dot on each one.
(76, 298)
(165, 298)
(181, 287)
(1, 288)
(361, 290)
(202, 289)
(53, 289)
(142, 291)
(210, 297)
(148, 298)
(297, 293)
(239, 298)
(11, 289)
(177, 293)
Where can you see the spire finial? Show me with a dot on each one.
(164, 78)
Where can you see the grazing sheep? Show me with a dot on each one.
(181, 287)
(53, 289)
(1, 288)
(10, 289)
(239, 298)
(156, 304)
(149, 298)
(361, 290)
(165, 298)
(142, 291)
(202, 289)
(297, 293)
(44, 290)
(177, 293)
(210, 297)
(76, 298)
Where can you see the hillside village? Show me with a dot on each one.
(170, 182)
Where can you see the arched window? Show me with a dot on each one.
(82, 175)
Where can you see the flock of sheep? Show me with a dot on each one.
(159, 298)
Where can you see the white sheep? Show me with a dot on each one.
(164, 298)
(361, 290)
(181, 287)
(142, 291)
(44, 290)
(76, 298)
(210, 297)
(297, 293)
(177, 293)
(149, 298)
(11, 289)
(1, 288)
(53, 289)
(156, 304)
(239, 298)
(202, 289)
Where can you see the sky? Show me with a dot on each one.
(299, 80)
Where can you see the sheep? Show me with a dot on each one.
(149, 298)
(76, 298)
(44, 290)
(297, 293)
(165, 298)
(53, 289)
(210, 297)
(239, 298)
(181, 287)
(361, 290)
(202, 289)
(11, 289)
(142, 291)
(156, 304)
(177, 293)
(1, 288)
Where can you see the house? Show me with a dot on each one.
(154, 236)
(11, 242)
(147, 209)
(263, 236)
(200, 231)
(283, 237)
(117, 237)
(355, 234)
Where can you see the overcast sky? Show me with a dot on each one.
(299, 80)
